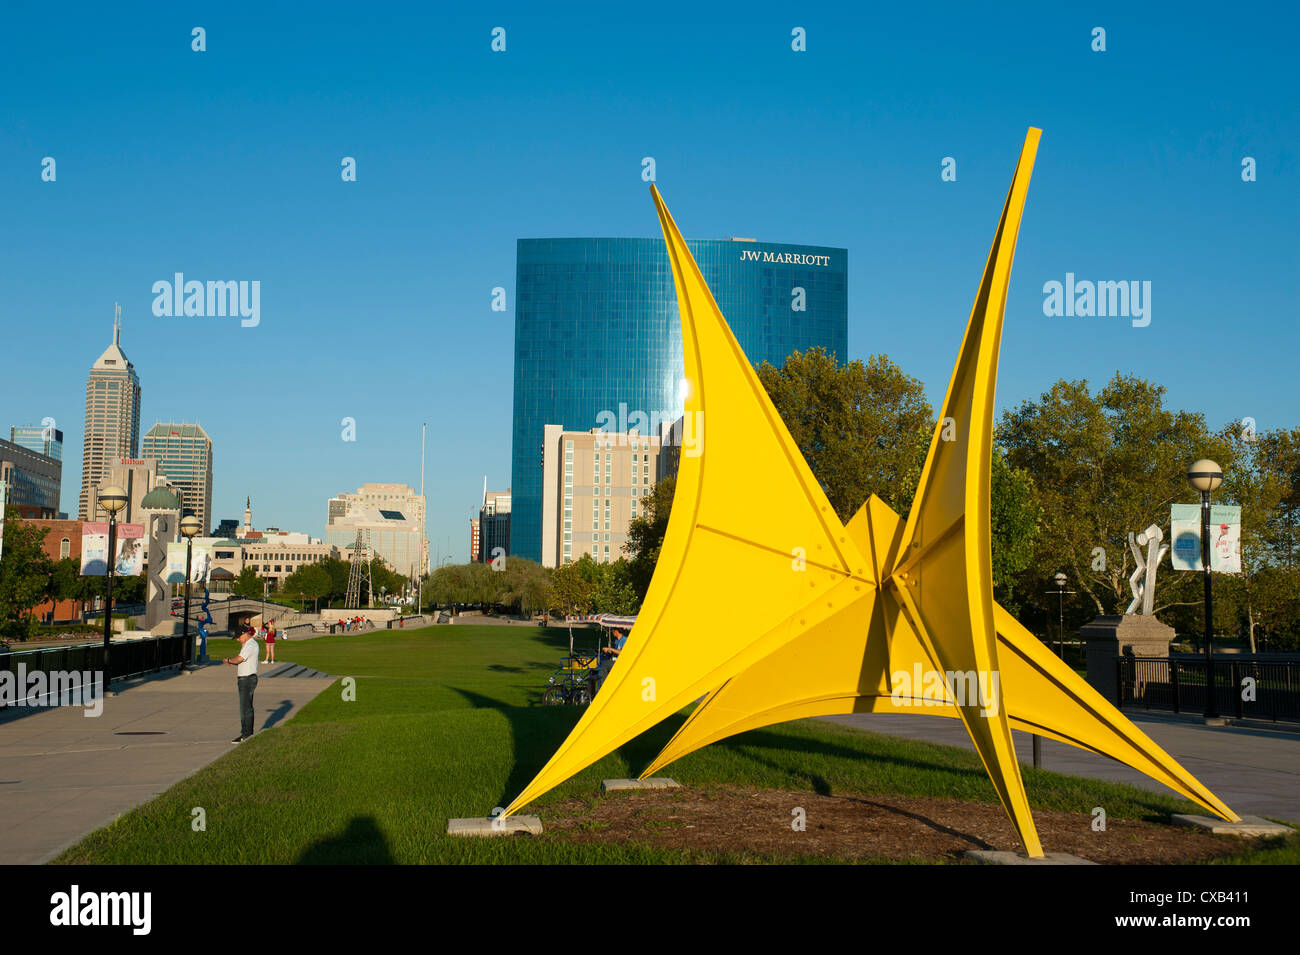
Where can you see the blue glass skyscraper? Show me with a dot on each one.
(597, 334)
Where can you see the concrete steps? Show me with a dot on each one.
(293, 670)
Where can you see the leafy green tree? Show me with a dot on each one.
(573, 587)
(525, 585)
(1105, 464)
(645, 536)
(24, 576)
(128, 590)
(614, 591)
(247, 584)
(455, 584)
(66, 582)
(383, 577)
(1263, 479)
(312, 581)
(338, 574)
(1013, 525)
(863, 428)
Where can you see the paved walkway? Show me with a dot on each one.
(64, 775)
(1256, 771)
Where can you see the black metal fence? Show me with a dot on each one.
(126, 658)
(1244, 687)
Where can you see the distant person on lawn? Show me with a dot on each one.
(245, 680)
(270, 642)
(608, 655)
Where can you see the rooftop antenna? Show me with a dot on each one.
(117, 324)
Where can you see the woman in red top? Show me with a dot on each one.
(270, 642)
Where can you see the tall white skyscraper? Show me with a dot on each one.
(112, 419)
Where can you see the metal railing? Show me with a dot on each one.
(126, 658)
(1244, 687)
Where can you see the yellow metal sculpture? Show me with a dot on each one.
(881, 615)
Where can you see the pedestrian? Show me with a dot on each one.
(245, 680)
(270, 642)
(608, 656)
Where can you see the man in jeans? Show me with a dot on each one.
(246, 678)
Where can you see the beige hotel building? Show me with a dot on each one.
(593, 484)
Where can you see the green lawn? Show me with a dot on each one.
(446, 724)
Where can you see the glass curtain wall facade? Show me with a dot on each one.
(184, 454)
(598, 340)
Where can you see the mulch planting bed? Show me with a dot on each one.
(859, 828)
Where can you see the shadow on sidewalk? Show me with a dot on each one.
(277, 714)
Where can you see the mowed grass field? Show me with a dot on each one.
(447, 723)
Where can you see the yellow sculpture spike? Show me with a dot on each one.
(714, 551)
(825, 617)
(944, 579)
(837, 669)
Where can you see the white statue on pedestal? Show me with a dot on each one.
(1143, 580)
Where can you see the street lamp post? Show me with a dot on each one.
(1206, 476)
(1061, 580)
(190, 526)
(112, 499)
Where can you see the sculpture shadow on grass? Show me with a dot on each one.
(362, 843)
(536, 731)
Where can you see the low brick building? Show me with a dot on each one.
(62, 539)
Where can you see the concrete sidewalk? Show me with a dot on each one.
(63, 774)
(1256, 771)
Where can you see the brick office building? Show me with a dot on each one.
(62, 539)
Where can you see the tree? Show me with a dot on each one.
(312, 581)
(247, 584)
(1105, 465)
(614, 592)
(24, 576)
(1263, 479)
(863, 428)
(645, 535)
(526, 585)
(1013, 525)
(66, 582)
(382, 577)
(454, 584)
(337, 570)
(573, 587)
(128, 590)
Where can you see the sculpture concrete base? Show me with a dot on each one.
(1109, 637)
(654, 782)
(1250, 826)
(493, 827)
(996, 857)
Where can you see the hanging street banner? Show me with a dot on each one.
(176, 564)
(1225, 538)
(94, 548)
(3, 488)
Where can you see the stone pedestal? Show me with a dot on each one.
(1107, 638)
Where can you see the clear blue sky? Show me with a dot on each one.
(375, 295)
